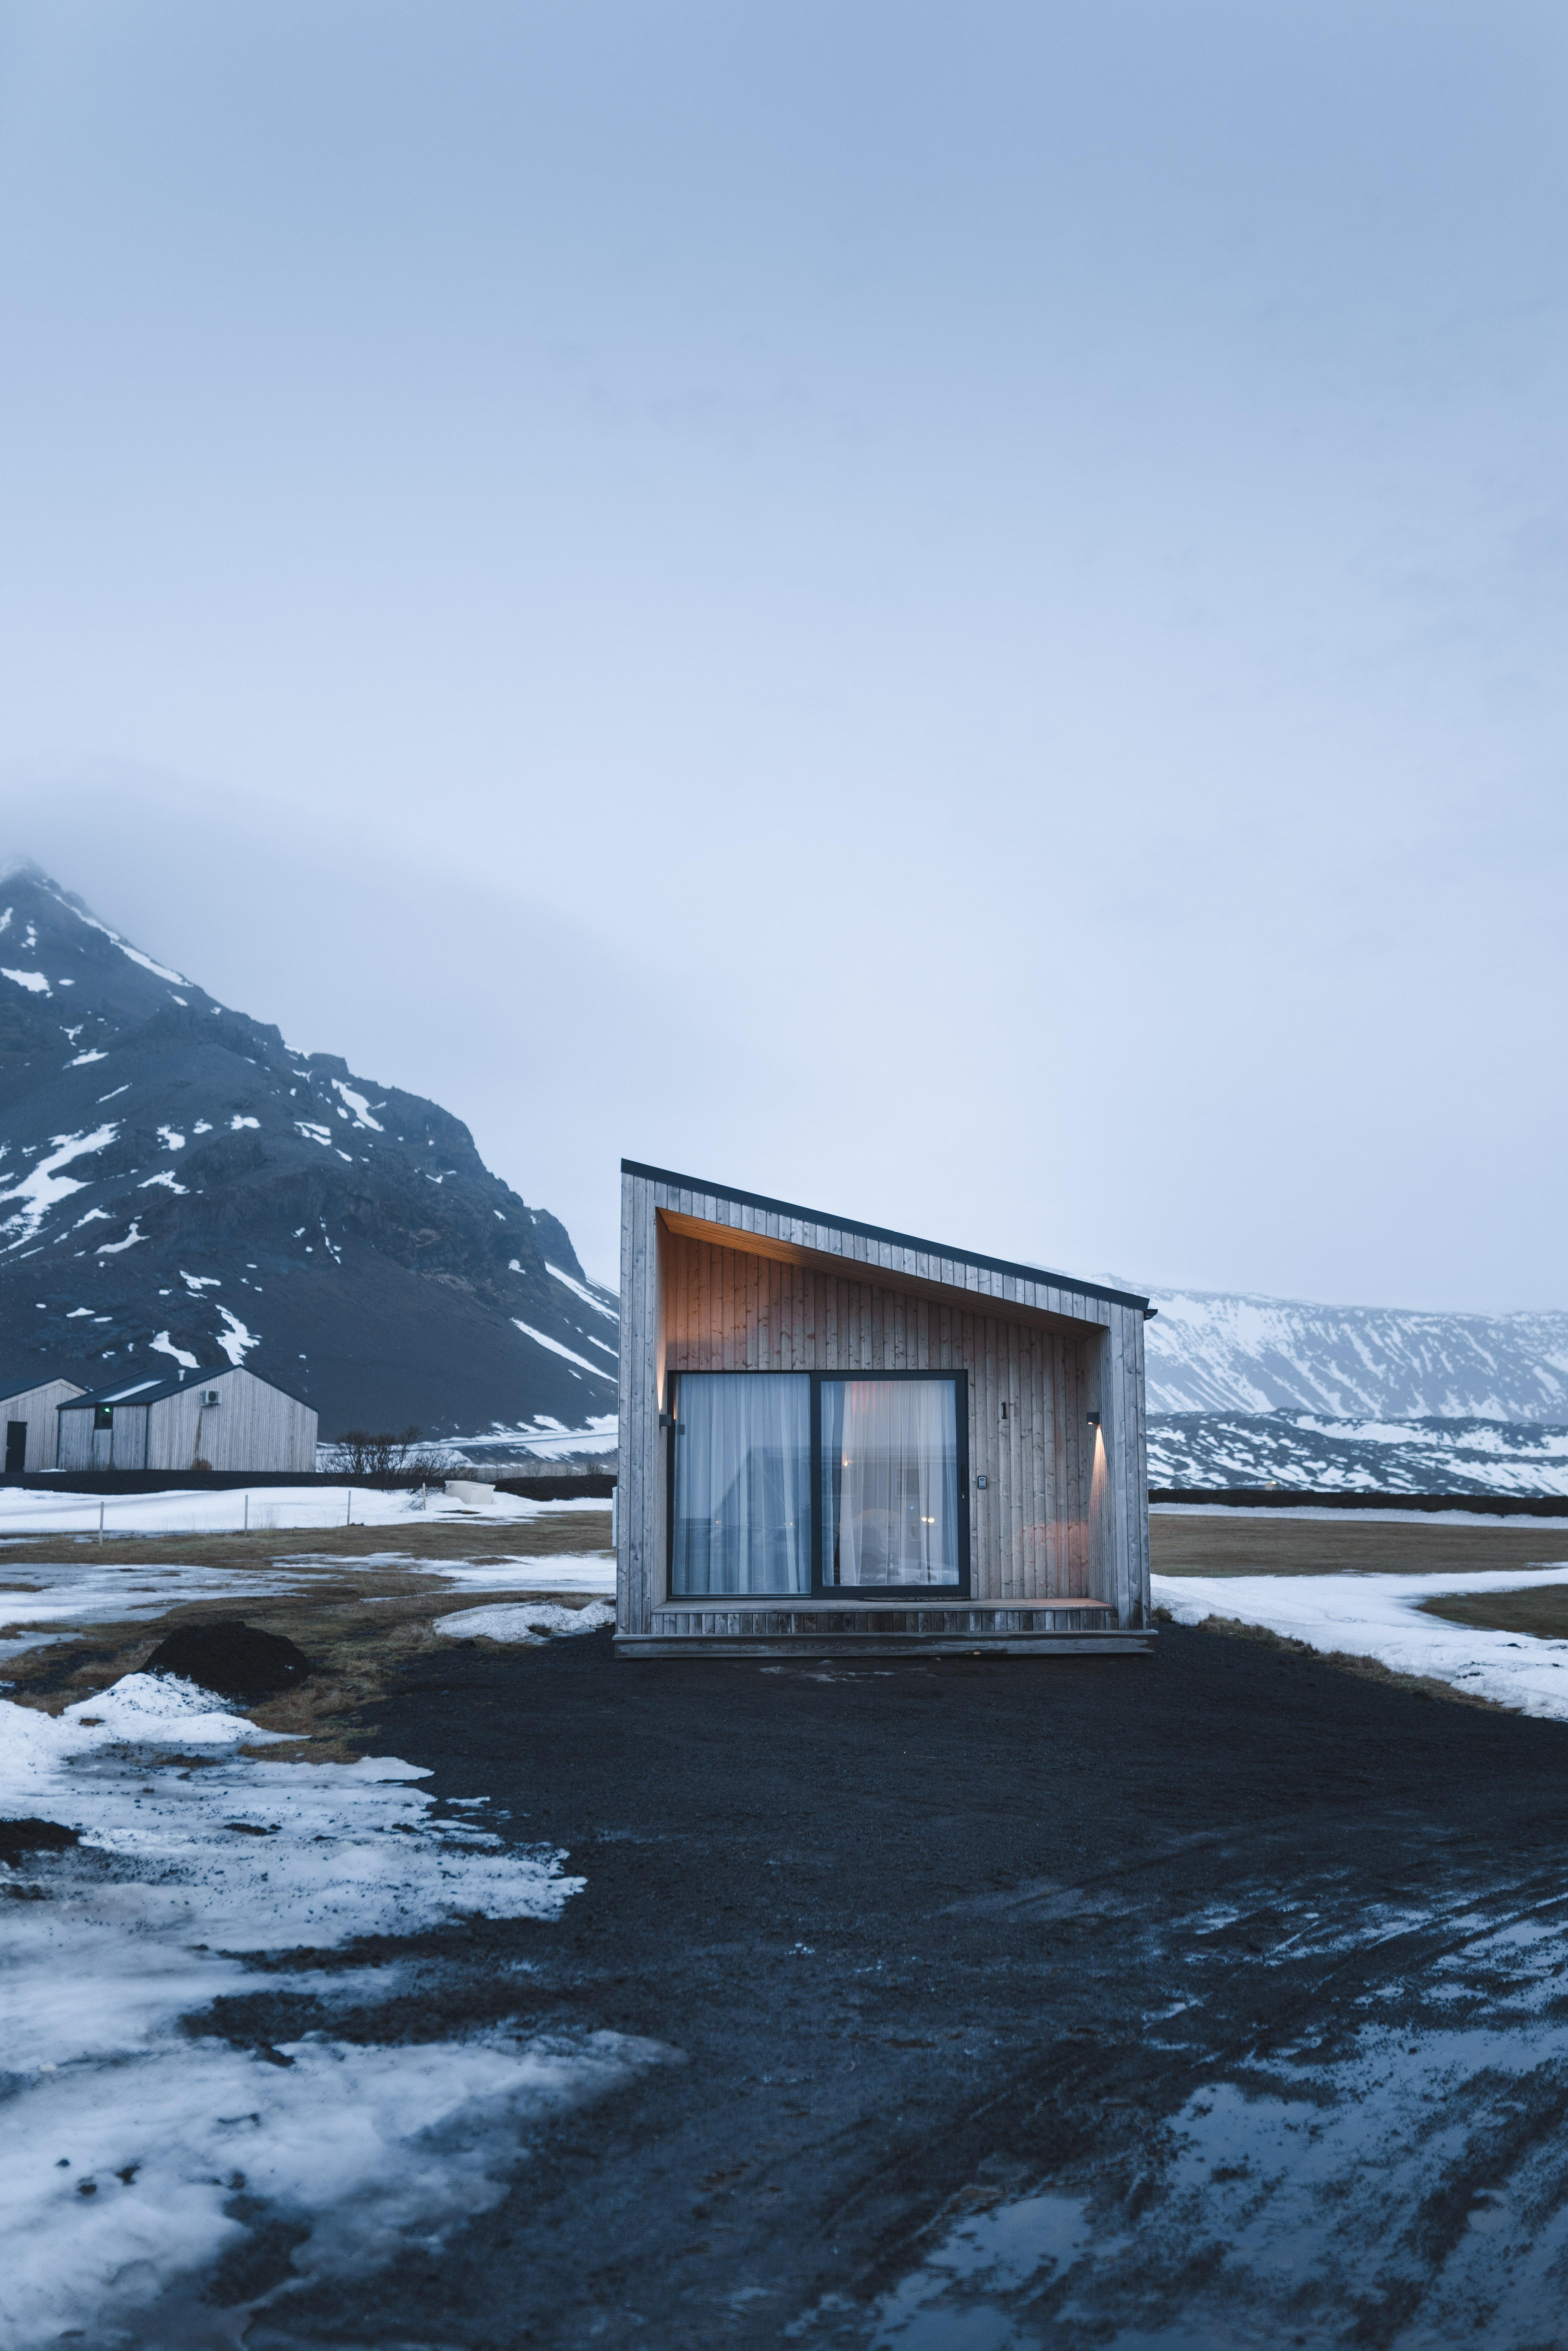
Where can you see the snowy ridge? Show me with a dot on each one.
(1213, 1350)
(1307, 1449)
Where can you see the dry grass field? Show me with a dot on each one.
(1543, 1615)
(1213, 1542)
(355, 1602)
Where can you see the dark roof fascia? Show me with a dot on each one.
(115, 1389)
(156, 1388)
(8, 1396)
(881, 1233)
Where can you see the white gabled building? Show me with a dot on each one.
(226, 1419)
(30, 1417)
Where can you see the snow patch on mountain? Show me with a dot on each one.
(543, 1339)
(1327, 1454)
(1210, 1351)
(235, 1341)
(42, 1191)
(601, 1305)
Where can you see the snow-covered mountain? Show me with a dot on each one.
(177, 1186)
(1389, 1456)
(1213, 1351)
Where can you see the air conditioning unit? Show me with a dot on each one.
(210, 1395)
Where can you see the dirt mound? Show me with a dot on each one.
(232, 1659)
(17, 1837)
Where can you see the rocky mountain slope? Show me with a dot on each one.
(1390, 1456)
(1211, 1352)
(178, 1187)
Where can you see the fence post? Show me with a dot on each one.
(101, 1506)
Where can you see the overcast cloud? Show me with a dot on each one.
(954, 613)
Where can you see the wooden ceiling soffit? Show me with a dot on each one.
(877, 1277)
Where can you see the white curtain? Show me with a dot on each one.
(890, 1481)
(743, 1483)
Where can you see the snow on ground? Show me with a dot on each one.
(532, 1622)
(140, 2145)
(29, 1511)
(58, 1599)
(97, 1592)
(1354, 1515)
(1378, 1616)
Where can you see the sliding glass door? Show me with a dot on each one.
(742, 1483)
(890, 1483)
(796, 1482)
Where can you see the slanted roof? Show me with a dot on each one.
(30, 1387)
(1037, 1276)
(154, 1388)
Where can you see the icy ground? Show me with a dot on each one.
(51, 1601)
(1379, 1616)
(141, 2145)
(530, 1623)
(25, 1512)
(1389, 2175)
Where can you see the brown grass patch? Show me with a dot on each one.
(479, 1538)
(1542, 1613)
(360, 1626)
(1220, 1544)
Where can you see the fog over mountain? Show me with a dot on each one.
(178, 1188)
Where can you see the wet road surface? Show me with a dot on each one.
(1211, 1998)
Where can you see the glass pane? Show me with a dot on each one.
(743, 1483)
(890, 1482)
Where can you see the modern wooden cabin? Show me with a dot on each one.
(228, 1418)
(837, 1440)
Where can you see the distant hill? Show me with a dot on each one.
(1427, 1455)
(176, 1185)
(1214, 1352)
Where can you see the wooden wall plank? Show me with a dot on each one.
(1031, 1539)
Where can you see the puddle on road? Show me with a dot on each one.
(1015, 2246)
(1412, 2193)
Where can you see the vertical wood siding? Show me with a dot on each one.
(1064, 1512)
(39, 1408)
(729, 1309)
(255, 1426)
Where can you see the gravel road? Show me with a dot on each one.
(1211, 1997)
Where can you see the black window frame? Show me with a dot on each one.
(102, 1418)
(875, 1596)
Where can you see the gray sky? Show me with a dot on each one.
(954, 613)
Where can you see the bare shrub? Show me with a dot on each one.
(382, 1458)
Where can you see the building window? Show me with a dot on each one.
(743, 1483)
(800, 1482)
(890, 1483)
(103, 1416)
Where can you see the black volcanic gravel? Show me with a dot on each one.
(908, 1927)
(233, 1660)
